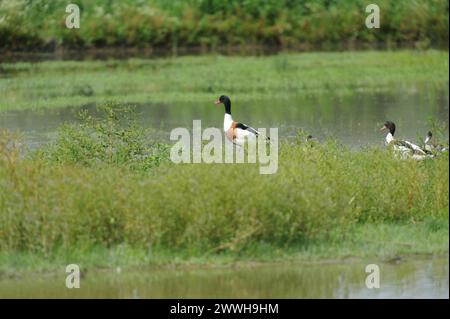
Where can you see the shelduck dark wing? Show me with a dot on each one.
(247, 128)
(411, 146)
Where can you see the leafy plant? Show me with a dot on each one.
(112, 138)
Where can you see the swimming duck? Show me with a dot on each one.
(404, 148)
(235, 131)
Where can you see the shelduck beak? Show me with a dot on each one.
(217, 102)
(382, 129)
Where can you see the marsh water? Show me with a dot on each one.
(419, 278)
(352, 119)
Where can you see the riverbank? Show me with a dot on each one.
(383, 242)
(190, 79)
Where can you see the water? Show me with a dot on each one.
(354, 120)
(423, 278)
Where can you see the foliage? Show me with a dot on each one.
(112, 138)
(39, 24)
(48, 204)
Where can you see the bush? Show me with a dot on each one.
(112, 138)
(170, 24)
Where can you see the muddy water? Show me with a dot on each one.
(423, 278)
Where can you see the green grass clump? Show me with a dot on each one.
(384, 241)
(111, 138)
(49, 205)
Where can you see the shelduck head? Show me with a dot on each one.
(225, 100)
(428, 137)
(390, 126)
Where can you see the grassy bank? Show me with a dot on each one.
(199, 79)
(40, 25)
(110, 198)
(379, 241)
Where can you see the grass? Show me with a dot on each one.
(104, 195)
(40, 25)
(112, 137)
(381, 241)
(74, 199)
(53, 84)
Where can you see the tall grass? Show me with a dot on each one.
(39, 24)
(49, 205)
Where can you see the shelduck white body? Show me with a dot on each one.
(405, 149)
(236, 132)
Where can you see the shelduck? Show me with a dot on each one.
(235, 131)
(431, 146)
(405, 149)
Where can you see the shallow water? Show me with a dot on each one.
(424, 278)
(354, 120)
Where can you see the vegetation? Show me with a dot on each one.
(40, 24)
(78, 195)
(385, 241)
(199, 79)
(111, 138)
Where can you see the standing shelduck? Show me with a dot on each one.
(235, 131)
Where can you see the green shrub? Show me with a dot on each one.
(112, 138)
(213, 23)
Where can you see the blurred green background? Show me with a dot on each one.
(39, 25)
